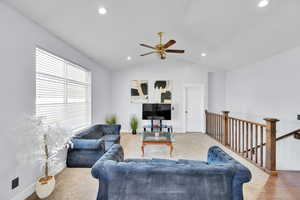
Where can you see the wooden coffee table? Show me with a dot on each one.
(164, 138)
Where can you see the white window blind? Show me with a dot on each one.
(63, 91)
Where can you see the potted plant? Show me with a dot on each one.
(134, 123)
(111, 120)
(42, 144)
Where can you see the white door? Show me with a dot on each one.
(194, 109)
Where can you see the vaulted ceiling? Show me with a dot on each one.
(233, 33)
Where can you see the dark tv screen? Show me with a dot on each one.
(157, 111)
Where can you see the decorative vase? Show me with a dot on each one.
(45, 186)
(134, 132)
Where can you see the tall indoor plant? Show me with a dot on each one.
(43, 143)
(134, 123)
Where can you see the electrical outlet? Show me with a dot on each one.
(15, 183)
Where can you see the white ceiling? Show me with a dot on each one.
(232, 32)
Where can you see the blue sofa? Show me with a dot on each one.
(89, 145)
(221, 178)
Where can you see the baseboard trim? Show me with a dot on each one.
(25, 193)
(29, 190)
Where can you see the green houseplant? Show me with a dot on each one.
(134, 123)
(112, 119)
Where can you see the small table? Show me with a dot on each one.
(160, 128)
(164, 138)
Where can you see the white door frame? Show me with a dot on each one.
(185, 87)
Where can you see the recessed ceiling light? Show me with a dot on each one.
(102, 11)
(203, 54)
(129, 58)
(263, 3)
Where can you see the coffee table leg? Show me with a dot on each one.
(143, 150)
(171, 150)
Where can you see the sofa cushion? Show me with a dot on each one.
(109, 129)
(191, 162)
(111, 138)
(90, 133)
(87, 144)
(153, 161)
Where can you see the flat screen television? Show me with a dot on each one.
(156, 111)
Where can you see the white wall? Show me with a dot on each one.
(181, 73)
(269, 88)
(18, 39)
(216, 94)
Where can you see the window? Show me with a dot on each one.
(63, 91)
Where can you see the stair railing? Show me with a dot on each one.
(253, 141)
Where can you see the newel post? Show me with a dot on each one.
(206, 122)
(225, 128)
(271, 144)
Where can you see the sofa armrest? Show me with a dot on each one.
(217, 156)
(242, 174)
(115, 154)
(88, 144)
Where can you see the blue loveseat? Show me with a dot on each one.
(221, 178)
(89, 145)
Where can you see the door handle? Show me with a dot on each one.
(186, 112)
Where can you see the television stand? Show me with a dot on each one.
(161, 126)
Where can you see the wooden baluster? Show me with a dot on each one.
(206, 122)
(221, 131)
(209, 124)
(235, 145)
(251, 141)
(225, 127)
(247, 140)
(229, 132)
(216, 118)
(207, 118)
(219, 134)
(232, 134)
(220, 128)
(261, 146)
(243, 138)
(215, 126)
(212, 125)
(256, 143)
(239, 136)
(271, 144)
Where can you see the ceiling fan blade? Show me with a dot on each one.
(170, 43)
(148, 46)
(174, 51)
(145, 54)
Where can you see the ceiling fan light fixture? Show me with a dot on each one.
(102, 11)
(263, 3)
(162, 49)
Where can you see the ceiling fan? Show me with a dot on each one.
(162, 49)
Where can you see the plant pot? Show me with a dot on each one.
(134, 132)
(45, 186)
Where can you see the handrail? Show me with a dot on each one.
(246, 121)
(279, 138)
(242, 136)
